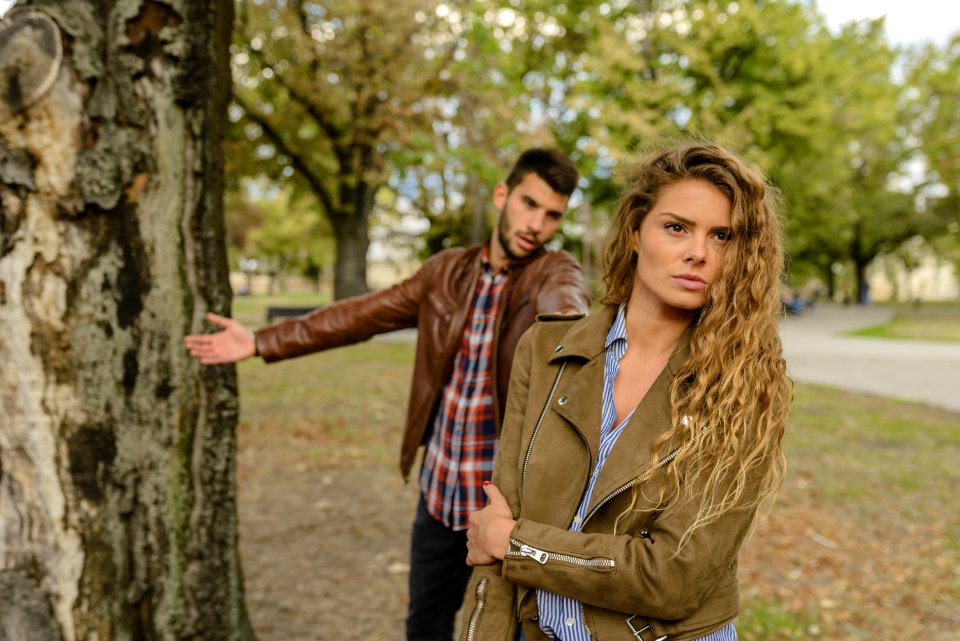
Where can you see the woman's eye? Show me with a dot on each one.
(677, 227)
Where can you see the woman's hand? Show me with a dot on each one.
(488, 537)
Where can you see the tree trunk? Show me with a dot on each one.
(863, 288)
(860, 263)
(350, 268)
(831, 282)
(351, 232)
(477, 232)
(117, 451)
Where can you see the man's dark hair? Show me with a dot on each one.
(552, 165)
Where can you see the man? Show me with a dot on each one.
(470, 307)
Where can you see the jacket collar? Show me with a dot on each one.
(585, 338)
(583, 389)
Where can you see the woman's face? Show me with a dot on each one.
(680, 246)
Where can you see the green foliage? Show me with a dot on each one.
(935, 114)
(434, 100)
(327, 92)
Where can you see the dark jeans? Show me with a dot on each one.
(438, 577)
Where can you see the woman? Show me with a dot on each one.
(639, 442)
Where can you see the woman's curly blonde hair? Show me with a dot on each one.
(733, 389)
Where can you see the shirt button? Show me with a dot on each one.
(577, 519)
(569, 622)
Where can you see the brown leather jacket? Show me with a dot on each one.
(436, 300)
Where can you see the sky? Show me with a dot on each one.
(908, 21)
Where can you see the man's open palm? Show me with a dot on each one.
(234, 343)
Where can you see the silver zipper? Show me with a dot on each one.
(546, 406)
(477, 611)
(541, 557)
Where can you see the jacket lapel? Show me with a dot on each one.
(579, 400)
(631, 454)
(580, 394)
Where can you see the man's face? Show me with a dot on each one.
(530, 215)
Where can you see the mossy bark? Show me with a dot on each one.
(117, 451)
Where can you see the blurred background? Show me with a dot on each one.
(367, 135)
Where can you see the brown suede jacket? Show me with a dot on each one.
(437, 300)
(625, 571)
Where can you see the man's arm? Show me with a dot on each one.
(564, 290)
(344, 322)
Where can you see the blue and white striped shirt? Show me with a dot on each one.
(562, 617)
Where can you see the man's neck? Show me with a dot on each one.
(496, 255)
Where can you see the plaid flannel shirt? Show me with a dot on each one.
(459, 456)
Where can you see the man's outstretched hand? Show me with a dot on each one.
(233, 343)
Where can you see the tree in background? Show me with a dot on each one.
(935, 121)
(292, 238)
(504, 90)
(828, 115)
(327, 92)
(117, 497)
(822, 112)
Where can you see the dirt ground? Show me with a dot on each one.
(324, 548)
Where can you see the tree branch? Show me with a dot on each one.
(313, 179)
(313, 110)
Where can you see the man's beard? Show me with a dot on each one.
(502, 230)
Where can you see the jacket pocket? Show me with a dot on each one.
(481, 594)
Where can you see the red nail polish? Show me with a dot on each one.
(486, 483)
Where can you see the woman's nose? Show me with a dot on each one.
(696, 251)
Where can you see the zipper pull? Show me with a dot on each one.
(537, 555)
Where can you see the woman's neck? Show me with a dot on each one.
(653, 331)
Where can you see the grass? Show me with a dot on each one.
(865, 535)
(864, 538)
(937, 323)
(251, 310)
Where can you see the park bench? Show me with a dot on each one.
(273, 313)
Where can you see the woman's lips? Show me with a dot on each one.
(690, 281)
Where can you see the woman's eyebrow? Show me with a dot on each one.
(689, 222)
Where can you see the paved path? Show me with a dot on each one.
(816, 352)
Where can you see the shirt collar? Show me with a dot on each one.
(485, 258)
(618, 331)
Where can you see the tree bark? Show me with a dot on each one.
(351, 233)
(117, 451)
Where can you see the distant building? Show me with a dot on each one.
(934, 279)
